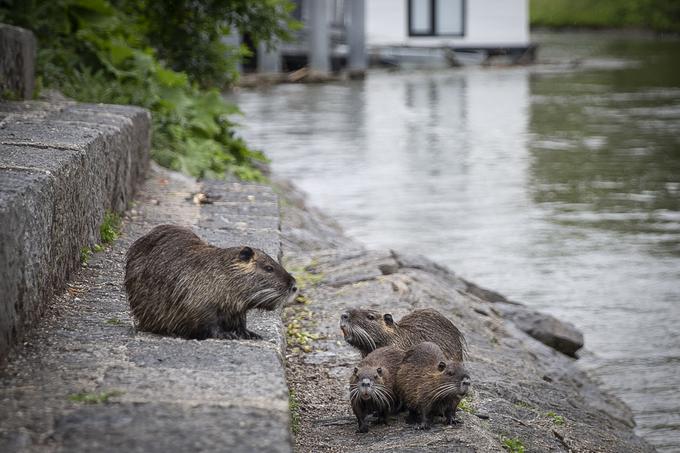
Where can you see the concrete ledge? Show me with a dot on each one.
(17, 62)
(162, 393)
(62, 166)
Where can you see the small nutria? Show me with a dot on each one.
(367, 330)
(429, 385)
(371, 386)
(178, 285)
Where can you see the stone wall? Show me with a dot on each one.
(62, 166)
(17, 62)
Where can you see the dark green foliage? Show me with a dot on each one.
(187, 33)
(659, 15)
(93, 51)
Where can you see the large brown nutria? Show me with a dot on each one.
(429, 385)
(371, 386)
(367, 330)
(178, 285)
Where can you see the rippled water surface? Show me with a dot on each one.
(556, 184)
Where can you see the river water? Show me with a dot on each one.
(556, 184)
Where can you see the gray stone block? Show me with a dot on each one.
(17, 62)
(164, 427)
(61, 167)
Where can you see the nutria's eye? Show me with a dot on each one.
(268, 268)
(371, 317)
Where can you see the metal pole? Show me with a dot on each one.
(356, 36)
(319, 38)
(268, 60)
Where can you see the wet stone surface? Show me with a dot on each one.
(522, 390)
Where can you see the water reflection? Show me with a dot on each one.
(557, 187)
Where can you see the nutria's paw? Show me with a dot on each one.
(453, 421)
(362, 429)
(423, 426)
(246, 334)
(220, 334)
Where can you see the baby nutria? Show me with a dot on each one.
(429, 385)
(367, 330)
(178, 285)
(371, 387)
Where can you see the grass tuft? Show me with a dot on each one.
(94, 398)
(513, 445)
(294, 406)
(109, 230)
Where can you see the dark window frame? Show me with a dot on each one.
(433, 20)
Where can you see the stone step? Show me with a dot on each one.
(150, 393)
(62, 166)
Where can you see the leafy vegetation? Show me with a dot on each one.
(513, 445)
(466, 405)
(109, 229)
(557, 419)
(659, 15)
(103, 51)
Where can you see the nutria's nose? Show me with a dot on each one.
(344, 316)
(292, 283)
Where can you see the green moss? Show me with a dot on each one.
(85, 254)
(110, 227)
(466, 405)
(114, 322)
(524, 405)
(513, 445)
(297, 319)
(556, 419)
(97, 248)
(294, 407)
(94, 398)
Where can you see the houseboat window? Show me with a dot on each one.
(436, 17)
(421, 16)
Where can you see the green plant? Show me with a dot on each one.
(187, 34)
(94, 398)
(85, 254)
(109, 229)
(556, 419)
(114, 322)
(294, 407)
(466, 406)
(513, 445)
(98, 51)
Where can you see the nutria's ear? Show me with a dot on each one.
(388, 319)
(356, 370)
(441, 366)
(245, 254)
(379, 370)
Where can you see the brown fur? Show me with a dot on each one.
(429, 385)
(367, 330)
(178, 285)
(372, 385)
